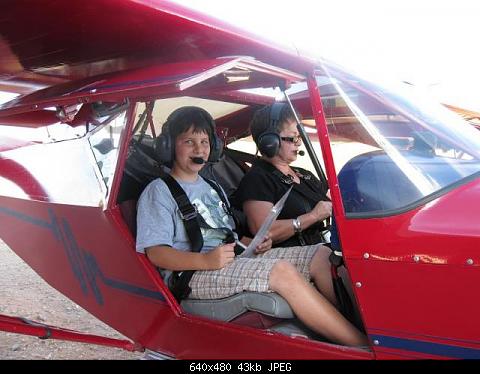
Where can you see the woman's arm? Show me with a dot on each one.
(176, 260)
(281, 230)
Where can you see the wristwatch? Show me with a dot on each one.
(297, 226)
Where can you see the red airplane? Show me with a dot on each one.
(98, 79)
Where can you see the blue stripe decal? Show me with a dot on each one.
(132, 289)
(35, 221)
(83, 263)
(74, 256)
(427, 347)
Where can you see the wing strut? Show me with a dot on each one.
(24, 326)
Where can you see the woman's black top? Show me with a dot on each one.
(264, 182)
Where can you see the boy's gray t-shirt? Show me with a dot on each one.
(159, 221)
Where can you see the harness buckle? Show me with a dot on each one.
(189, 215)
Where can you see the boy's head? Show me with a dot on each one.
(180, 121)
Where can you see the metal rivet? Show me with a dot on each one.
(376, 342)
(416, 258)
(35, 107)
(366, 255)
(470, 261)
(358, 284)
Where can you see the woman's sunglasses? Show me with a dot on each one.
(292, 139)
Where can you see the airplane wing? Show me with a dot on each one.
(48, 42)
(221, 73)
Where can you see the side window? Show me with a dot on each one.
(392, 147)
(104, 142)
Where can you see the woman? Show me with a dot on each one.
(300, 223)
(274, 130)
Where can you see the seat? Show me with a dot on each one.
(227, 171)
(229, 308)
(128, 209)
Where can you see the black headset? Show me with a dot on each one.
(269, 141)
(165, 146)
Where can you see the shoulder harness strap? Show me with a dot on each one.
(179, 280)
(187, 210)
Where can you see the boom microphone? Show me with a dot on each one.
(198, 160)
(301, 153)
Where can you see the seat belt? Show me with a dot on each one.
(179, 280)
(305, 198)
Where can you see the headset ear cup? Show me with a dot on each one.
(269, 144)
(163, 149)
(216, 150)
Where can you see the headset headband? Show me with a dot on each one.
(268, 141)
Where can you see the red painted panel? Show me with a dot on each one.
(80, 252)
(88, 255)
(418, 272)
(33, 119)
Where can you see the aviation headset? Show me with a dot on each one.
(268, 142)
(165, 143)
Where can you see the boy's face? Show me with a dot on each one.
(189, 145)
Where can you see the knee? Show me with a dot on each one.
(283, 274)
(320, 260)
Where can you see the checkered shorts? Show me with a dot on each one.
(249, 274)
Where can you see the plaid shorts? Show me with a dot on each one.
(249, 274)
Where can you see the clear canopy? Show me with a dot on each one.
(402, 147)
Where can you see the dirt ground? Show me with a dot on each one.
(24, 294)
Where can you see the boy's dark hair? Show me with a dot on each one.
(186, 118)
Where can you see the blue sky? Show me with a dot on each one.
(430, 43)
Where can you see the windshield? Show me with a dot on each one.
(392, 147)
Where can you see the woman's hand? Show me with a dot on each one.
(265, 245)
(322, 210)
(221, 256)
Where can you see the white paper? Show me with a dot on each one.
(265, 228)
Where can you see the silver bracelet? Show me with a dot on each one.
(297, 226)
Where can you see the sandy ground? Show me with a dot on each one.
(24, 294)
